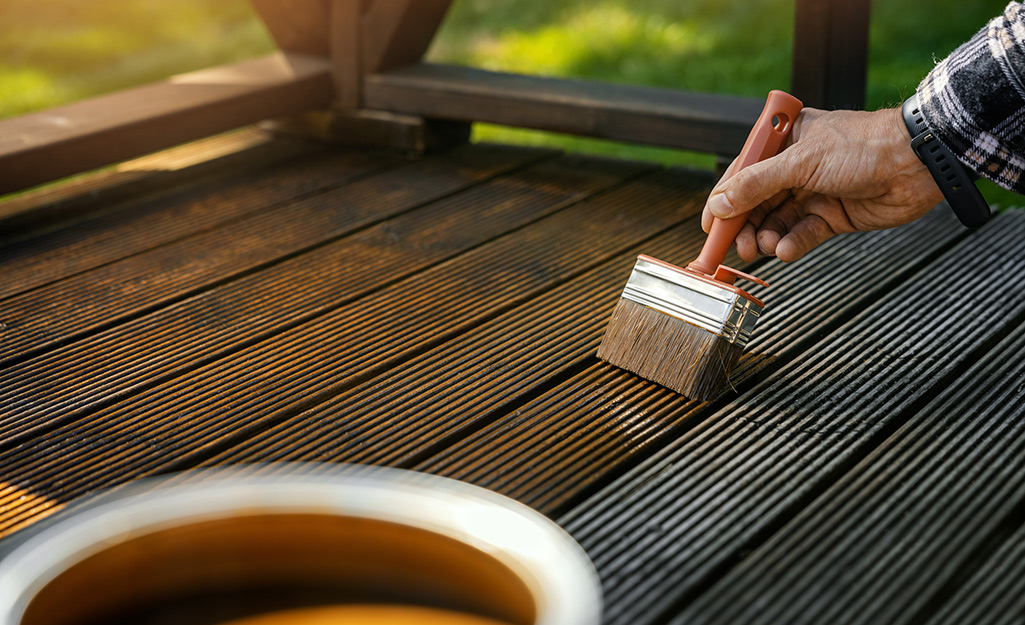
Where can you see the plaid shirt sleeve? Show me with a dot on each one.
(974, 100)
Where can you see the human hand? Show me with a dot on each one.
(842, 171)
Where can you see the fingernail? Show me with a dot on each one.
(719, 206)
(767, 242)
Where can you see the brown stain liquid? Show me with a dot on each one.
(364, 615)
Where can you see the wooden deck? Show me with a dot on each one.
(253, 299)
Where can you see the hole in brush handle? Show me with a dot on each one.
(765, 140)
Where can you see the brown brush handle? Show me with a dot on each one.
(765, 140)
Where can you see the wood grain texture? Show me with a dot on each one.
(340, 336)
(441, 314)
(137, 220)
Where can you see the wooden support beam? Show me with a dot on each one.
(58, 142)
(404, 133)
(692, 121)
(346, 56)
(297, 25)
(398, 32)
(830, 62)
(359, 36)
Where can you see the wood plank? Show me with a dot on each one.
(338, 343)
(58, 142)
(830, 60)
(222, 319)
(450, 391)
(49, 206)
(995, 593)
(662, 533)
(892, 540)
(119, 228)
(396, 33)
(82, 303)
(690, 121)
(299, 26)
(617, 419)
(346, 34)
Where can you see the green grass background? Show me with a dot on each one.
(57, 51)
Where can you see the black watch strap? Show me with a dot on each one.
(955, 181)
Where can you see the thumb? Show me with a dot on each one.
(756, 183)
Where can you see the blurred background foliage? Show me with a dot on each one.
(57, 51)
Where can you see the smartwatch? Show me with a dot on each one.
(955, 181)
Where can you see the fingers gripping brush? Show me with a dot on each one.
(685, 328)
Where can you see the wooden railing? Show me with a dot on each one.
(358, 63)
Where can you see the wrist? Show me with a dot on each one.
(900, 142)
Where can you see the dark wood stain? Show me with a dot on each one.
(442, 313)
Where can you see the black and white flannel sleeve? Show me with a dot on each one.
(974, 100)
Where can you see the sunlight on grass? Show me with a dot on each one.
(692, 45)
(701, 45)
(27, 89)
(59, 51)
(587, 39)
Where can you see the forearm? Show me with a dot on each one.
(974, 100)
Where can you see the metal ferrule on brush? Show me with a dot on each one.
(672, 291)
(686, 328)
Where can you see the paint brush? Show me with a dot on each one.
(685, 328)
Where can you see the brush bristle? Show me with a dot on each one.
(661, 348)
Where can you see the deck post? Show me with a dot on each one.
(296, 25)
(362, 37)
(831, 52)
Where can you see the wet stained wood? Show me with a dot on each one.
(243, 312)
(441, 314)
(750, 466)
(499, 363)
(143, 221)
(59, 311)
(252, 386)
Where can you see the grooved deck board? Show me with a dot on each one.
(250, 388)
(266, 299)
(609, 417)
(84, 302)
(243, 312)
(437, 397)
(143, 225)
(928, 499)
(995, 593)
(660, 534)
